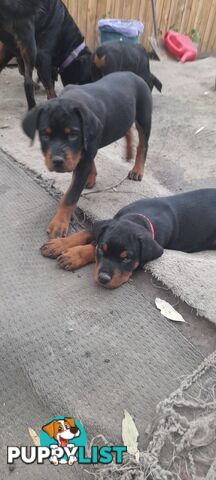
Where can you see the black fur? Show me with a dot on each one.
(119, 56)
(42, 34)
(94, 115)
(185, 222)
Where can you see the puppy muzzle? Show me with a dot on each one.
(104, 278)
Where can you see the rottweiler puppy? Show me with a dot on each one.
(42, 34)
(83, 119)
(117, 56)
(138, 234)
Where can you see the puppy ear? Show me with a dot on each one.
(49, 429)
(99, 228)
(149, 250)
(91, 127)
(31, 121)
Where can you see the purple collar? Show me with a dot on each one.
(71, 57)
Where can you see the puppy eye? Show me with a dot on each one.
(60, 429)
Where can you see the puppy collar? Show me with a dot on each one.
(72, 56)
(149, 223)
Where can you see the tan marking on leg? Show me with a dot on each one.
(137, 172)
(59, 225)
(99, 61)
(129, 146)
(71, 160)
(54, 248)
(77, 257)
(51, 93)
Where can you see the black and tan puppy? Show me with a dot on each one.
(83, 119)
(43, 35)
(138, 234)
(121, 57)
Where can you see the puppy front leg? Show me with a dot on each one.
(77, 257)
(56, 247)
(59, 225)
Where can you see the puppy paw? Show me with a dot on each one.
(53, 248)
(135, 175)
(73, 258)
(58, 228)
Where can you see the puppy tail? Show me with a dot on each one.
(156, 83)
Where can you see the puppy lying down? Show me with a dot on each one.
(138, 233)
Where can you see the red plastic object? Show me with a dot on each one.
(180, 45)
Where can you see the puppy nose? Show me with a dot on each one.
(104, 278)
(58, 161)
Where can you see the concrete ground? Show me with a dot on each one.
(67, 346)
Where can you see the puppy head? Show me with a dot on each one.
(65, 132)
(123, 245)
(62, 430)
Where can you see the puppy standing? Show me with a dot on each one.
(119, 56)
(83, 119)
(43, 35)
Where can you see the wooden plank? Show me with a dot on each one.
(135, 9)
(91, 23)
(101, 13)
(171, 14)
(144, 6)
(211, 47)
(118, 11)
(204, 19)
(110, 8)
(184, 14)
(159, 13)
(127, 9)
(192, 16)
(148, 21)
(82, 15)
(73, 8)
(165, 16)
(178, 16)
(210, 25)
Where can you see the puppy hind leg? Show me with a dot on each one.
(137, 171)
(25, 41)
(129, 145)
(46, 73)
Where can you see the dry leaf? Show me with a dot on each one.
(130, 435)
(35, 438)
(168, 311)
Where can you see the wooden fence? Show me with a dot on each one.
(182, 15)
